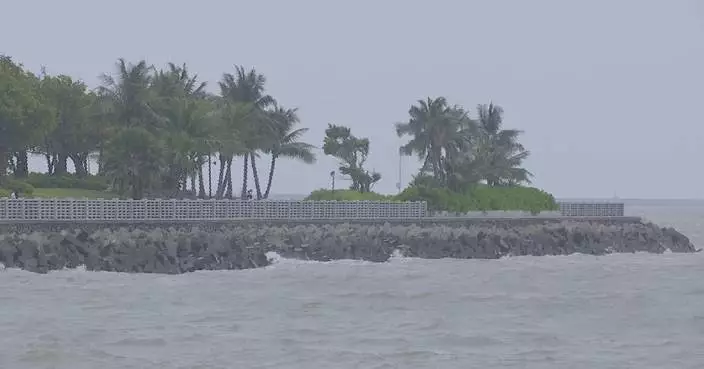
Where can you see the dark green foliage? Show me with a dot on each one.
(20, 187)
(468, 165)
(459, 151)
(475, 198)
(481, 198)
(347, 195)
(153, 131)
(90, 182)
(352, 153)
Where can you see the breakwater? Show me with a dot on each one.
(186, 246)
(179, 236)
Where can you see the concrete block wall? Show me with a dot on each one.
(86, 210)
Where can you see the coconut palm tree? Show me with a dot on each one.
(249, 87)
(438, 131)
(286, 141)
(232, 124)
(130, 96)
(182, 101)
(133, 154)
(133, 160)
(500, 150)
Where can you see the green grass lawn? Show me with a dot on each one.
(75, 193)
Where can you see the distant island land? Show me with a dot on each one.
(156, 133)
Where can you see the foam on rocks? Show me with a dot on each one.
(174, 250)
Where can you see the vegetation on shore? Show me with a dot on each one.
(153, 131)
(476, 198)
(469, 164)
(156, 132)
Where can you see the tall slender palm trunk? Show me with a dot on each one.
(201, 182)
(243, 195)
(271, 175)
(221, 175)
(228, 178)
(255, 174)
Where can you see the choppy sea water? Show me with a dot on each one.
(616, 311)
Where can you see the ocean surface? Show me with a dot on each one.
(617, 311)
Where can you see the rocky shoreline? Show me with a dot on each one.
(180, 249)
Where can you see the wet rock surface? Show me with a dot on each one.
(167, 251)
(184, 249)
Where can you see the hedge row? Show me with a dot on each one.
(26, 186)
(10, 185)
(476, 198)
(91, 182)
(346, 195)
(482, 198)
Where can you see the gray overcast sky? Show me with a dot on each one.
(609, 92)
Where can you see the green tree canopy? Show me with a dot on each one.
(352, 152)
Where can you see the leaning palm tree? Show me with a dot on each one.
(500, 150)
(286, 142)
(248, 87)
(232, 121)
(133, 150)
(437, 131)
(130, 99)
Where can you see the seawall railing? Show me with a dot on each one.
(86, 210)
(179, 210)
(592, 209)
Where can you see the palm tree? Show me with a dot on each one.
(248, 87)
(233, 118)
(438, 132)
(500, 149)
(133, 154)
(133, 160)
(131, 99)
(182, 101)
(286, 142)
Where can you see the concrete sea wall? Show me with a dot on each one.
(185, 246)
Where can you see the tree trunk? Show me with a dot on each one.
(221, 177)
(255, 174)
(228, 178)
(193, 183)
(136, 188)
(100, 161)
(271, 176)
(201, 182)
(60, 166)
(243, 195)
(49, 164)
(3, 162)
(80, 163)
(22, 165)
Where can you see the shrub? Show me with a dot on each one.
(346, 195)
(481, 198)
(90, 182)
(5, 193)
(13, 185)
